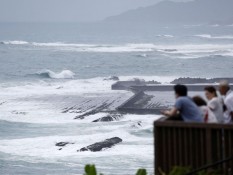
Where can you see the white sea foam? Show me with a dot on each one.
(65, 74)
(161, 79)
(215, 25)
(165, 36)
(61, 44)
(191, 51)
(14, 42)
(44, 147)
(97, 47)
(44, 102)
(215, 37)
(171, 50)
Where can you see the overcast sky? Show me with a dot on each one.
(66, 10)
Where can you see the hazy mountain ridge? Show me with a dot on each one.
(198, 11)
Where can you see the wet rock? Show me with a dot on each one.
(2, 102)
(59, 87)
(153, 82)
(139, 81)
(109, 118)
(18, 112)
(115, 78)
(137, 125)
(108, 143)
(62, 144)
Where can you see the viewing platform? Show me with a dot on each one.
(194, 145)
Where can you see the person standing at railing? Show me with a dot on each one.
(214, 103)
(184, 106)
(226, 92)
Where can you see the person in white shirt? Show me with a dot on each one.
(225, 91)
(214, 103)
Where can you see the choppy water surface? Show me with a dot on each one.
(47, 69)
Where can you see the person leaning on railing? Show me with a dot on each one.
(184, 106)
(225, 91)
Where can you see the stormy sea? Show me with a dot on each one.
(55, 89)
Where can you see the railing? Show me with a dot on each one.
(193, 172)
(192, 145)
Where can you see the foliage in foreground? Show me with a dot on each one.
(91, 170)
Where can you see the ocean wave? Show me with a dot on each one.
(65, 74)
(215, 37)
(61, 44)
(14, 42)
(170, 49)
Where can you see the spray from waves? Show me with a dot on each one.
(65, 74)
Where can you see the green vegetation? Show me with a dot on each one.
(91, 170)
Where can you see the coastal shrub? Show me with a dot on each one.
(90, 170)
(141, 172)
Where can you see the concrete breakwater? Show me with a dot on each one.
(141, 103)
(145, 100)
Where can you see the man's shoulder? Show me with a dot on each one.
(184, 98)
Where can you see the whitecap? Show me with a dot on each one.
(64, 74)
(215, 37)
(14, 42)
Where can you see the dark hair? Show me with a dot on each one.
(211, 89)
(181, 90)
(199, 101)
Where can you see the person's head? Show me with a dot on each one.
(180, 90)
(210, 92)
(223, 87)
(199, 101)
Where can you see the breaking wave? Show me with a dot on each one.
(65, 74)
